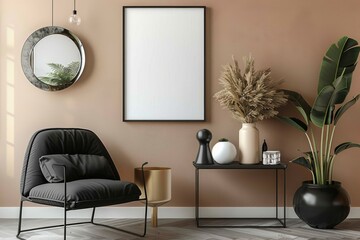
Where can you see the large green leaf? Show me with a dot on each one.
(321, 105)
(300, 103)
(324, 105)
(298, 124)
(341, 56)
(344, 146)
(344, 108)
(303, 162)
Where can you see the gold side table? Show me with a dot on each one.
(158, 187)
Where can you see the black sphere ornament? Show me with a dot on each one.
(204, 155)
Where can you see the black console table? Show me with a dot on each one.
(236, 165)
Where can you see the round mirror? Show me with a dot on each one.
(52, 58)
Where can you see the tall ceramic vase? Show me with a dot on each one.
(249, 144)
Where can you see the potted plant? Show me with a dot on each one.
(322, 202)
(250, 96)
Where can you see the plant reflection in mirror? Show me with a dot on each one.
(61, 74)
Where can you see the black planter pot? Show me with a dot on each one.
(321, 206)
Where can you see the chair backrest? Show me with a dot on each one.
(58, 141)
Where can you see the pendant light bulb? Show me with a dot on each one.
(75, 19)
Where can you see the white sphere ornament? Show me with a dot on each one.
(224, 152)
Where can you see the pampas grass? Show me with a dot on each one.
(250, 96)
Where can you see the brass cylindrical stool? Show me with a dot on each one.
(158, 187)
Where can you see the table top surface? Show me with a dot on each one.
(237, 165)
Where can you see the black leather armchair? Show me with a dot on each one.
(71, 168)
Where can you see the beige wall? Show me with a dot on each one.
(291, 36)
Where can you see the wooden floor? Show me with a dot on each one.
(177, 229)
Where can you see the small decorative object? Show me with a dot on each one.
(250, 97)
(249, 144)
(271, 157)
(224, 152)
(204, 155)
(334, 84)
(158, 187)
(264, 146)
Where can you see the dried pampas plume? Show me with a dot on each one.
(251, 96)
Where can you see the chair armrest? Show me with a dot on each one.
(143, 178)
(63, 166)
(65, 190)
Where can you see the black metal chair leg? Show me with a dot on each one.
(123, 230)
(64, 223)
(65, 202)
(145, 220)
(93, 215)
(20, 218)
(146, 198)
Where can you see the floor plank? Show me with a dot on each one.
(176, 229)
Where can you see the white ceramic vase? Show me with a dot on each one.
(249, 144)
(224, 152)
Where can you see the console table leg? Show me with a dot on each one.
(197, 196)
(277, 194)
(284, 198)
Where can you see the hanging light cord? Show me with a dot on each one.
(74, 11)
(52, 12)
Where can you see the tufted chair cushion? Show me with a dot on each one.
(59, 141)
